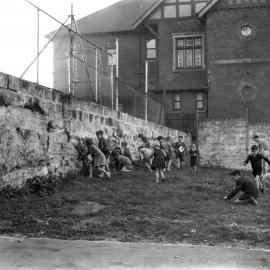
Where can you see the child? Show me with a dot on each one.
(194, 155)
(126, 151)
(98, 157)
(263, 150)
(246, 185)
(103, 146)
(172, 157)
(145, 153)
(87, 160)
(161, 146)
(158, 164)
(256, 163)
(123, 163)
(181, 148)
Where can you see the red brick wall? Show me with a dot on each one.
(234, 60)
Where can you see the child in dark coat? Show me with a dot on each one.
(194, 155)
(256, 163)
(246, 185)
(158, 164)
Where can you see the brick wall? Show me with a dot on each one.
(37, 123)
(222, 143)
(235, 60)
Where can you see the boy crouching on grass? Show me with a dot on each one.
(246, 185)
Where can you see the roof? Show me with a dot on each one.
(118, 17)
(207, 8)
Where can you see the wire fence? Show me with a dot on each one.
(89, 70)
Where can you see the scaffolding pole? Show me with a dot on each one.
(71, 59)
(146, 92)
(96, 75)
(112, 81)
(44, 47)
(117, 76)
(37, 45)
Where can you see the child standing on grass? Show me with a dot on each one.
(194, 155)
(181, 148)
(246, 185)
(256, 163)
(98, 157)
(158, 164)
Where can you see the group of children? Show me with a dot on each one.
(251, 188)
(157, 157)
(162, 155)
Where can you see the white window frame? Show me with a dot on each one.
(175, 36)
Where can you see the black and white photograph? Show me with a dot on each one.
(135, 134)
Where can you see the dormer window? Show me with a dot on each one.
(178, 9)
(151, 49)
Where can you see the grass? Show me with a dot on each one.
(187, 208)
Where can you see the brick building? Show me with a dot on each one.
(207, 58)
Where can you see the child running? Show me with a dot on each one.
(256, 163)
(158, 164)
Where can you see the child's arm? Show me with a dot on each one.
(233, 193)
(266, 159)
(246, 161)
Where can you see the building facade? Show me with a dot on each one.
(206, 58)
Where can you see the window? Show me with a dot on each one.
(199, 101)
(188, 52)
(178, 8)
(111, 48)
(177, 102)
(151, 49)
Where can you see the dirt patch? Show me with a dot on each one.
(87, 208)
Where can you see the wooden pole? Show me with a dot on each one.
(117, 76)
(37, 45)
(247, 130)
(146, 92)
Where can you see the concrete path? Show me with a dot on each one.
(59, 255)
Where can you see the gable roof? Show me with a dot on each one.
(207, 8)
(118, 17)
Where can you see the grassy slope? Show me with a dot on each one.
(188, 208)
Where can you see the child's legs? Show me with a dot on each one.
(161, 174)
(107, 164)
(102, 170)
(169, 164)
(148, 165)
(90, 170)
(157, 174)
(257, 181)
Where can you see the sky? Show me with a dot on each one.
(18, 40)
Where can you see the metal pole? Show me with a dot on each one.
(83, 37)
(96, 76)
(37, 45)
(112, 80)
(247, 130)
(44, 47)
(117, 76)
(71, 60)
(146, 92)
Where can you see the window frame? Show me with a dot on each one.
(200, 100)
(175, 101)
(112, 50)
(150, 49)
(175, 37)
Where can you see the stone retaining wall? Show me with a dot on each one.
(37, 123)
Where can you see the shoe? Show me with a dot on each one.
(162, 180)
(253, 200)
(262, 190)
